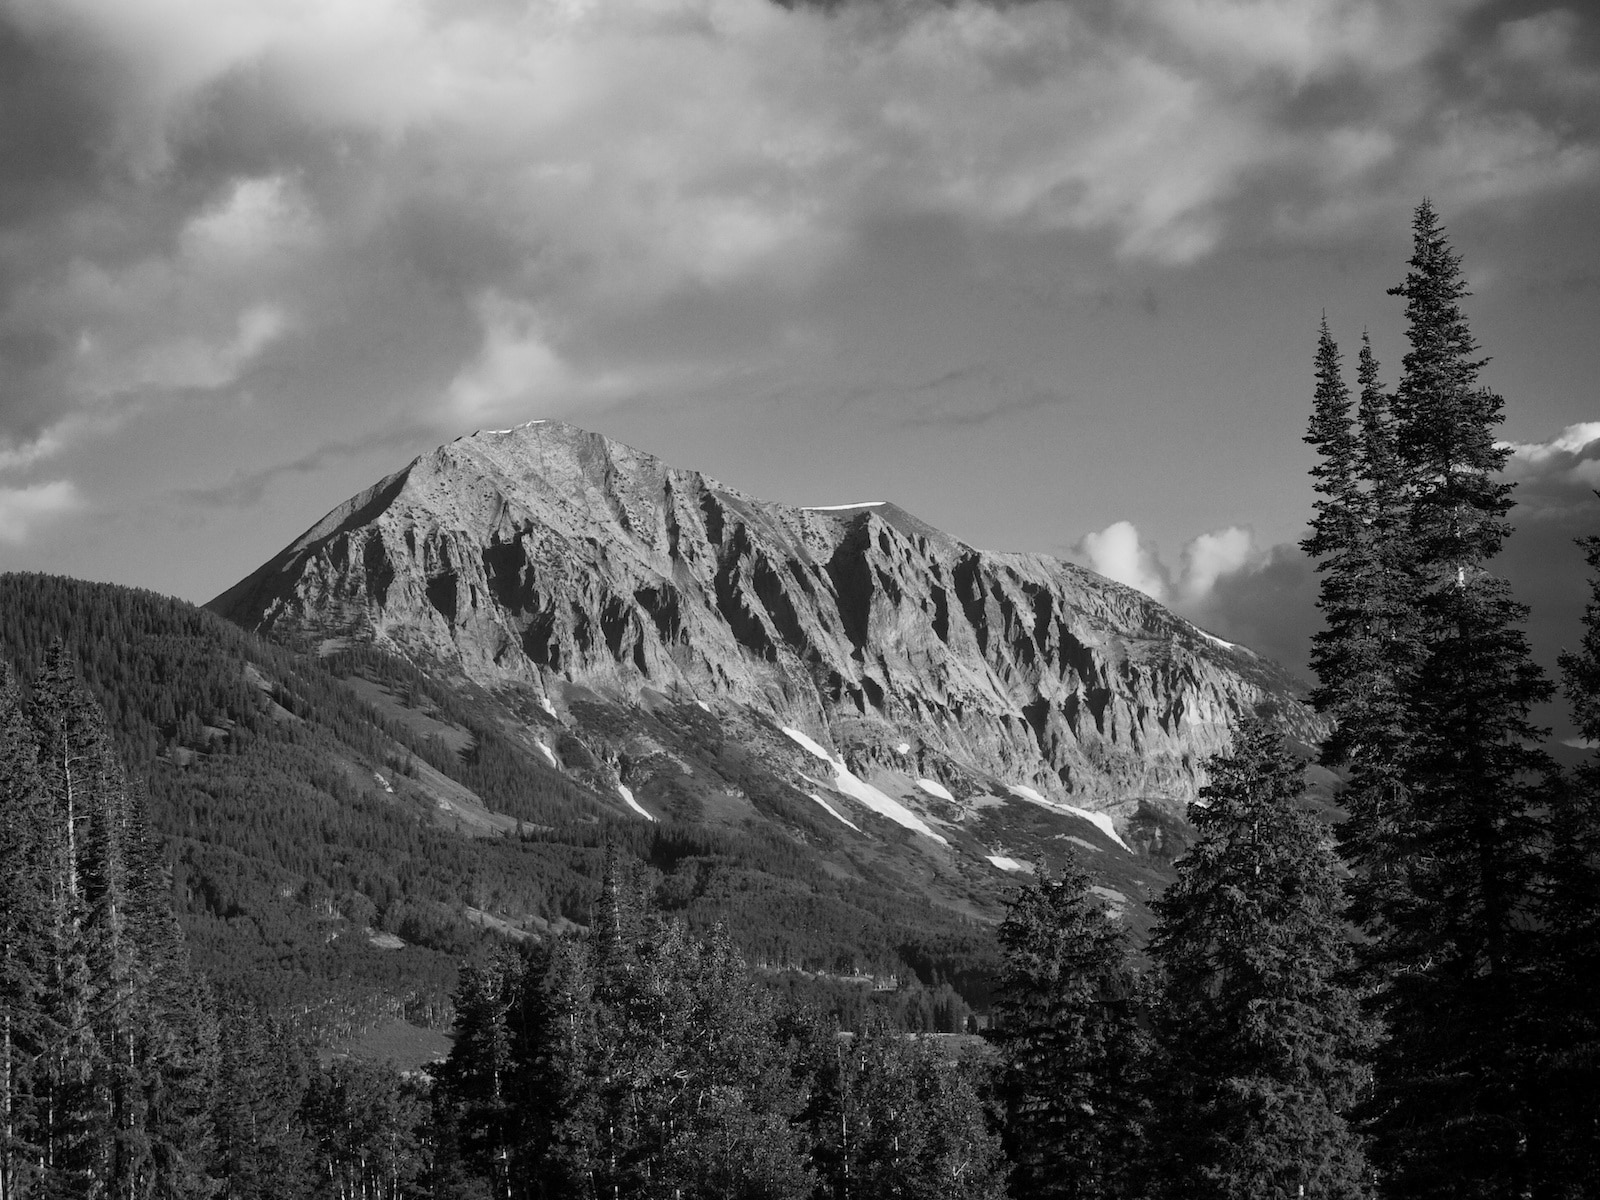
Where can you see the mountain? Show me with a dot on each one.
(871, 662)
(343, 830)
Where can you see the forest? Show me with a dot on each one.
(1399, 1005)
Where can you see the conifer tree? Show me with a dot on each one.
(898, 1118)
(480, 1075)
(1261, 1038)
(25, 1030)
(113, 1049)
(263, 1074)
(1451, 1111)
(1362, 655)
(1566, 1150)
(1372, 732)
(1067, 1024)
(1430, 680)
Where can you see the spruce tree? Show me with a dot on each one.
(899, 1119)
(25, 1030)
(1067, 1010)
(1429, 677)
(1373, 721)
(1363, 654)
(1567, 1121)
(1451, 1113)
(480, 1076)
(1261, 1039)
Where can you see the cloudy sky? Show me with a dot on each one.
(1047, 274)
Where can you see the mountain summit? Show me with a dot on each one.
(551, 560)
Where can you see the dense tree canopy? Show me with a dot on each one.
(1262, 1042)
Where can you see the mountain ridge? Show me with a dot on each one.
(547, 558)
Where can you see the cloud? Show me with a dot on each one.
(1261, 597)
(363, 215)
(627, 150)
(963, 416)
(1556, 479)
(22, 509)
(1211, 556)
(1118, 553)
(244, 488)
(1265, 597)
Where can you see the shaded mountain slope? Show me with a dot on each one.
(343, 830)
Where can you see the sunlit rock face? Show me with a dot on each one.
(548, 556)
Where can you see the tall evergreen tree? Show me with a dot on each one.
(1451, 1113)
(1364, 653)
(1372, 729)
(1430, 679)
(25, 1030)
(110, 1063)
(1567, 1121)
(900, 1119)
(480, 1075)
(1067, 1010)
(1261, 1039)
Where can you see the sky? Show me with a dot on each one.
(1046, 274)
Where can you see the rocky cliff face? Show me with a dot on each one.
(546, 557)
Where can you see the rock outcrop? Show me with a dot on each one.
(547, 556)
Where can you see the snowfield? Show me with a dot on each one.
(934, 788)
(833, 812)
(846, 781)
(1007, 864)
(1100, 821)
(627, 794)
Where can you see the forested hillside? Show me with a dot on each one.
(341, 831)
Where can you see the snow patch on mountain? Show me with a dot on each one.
(809, 744)
(1028, 793)
(843, 507)
(627, 794)
(1100, 821)
(934, 788)
(846, 781)
(550, 754)
(833, 812)
(1008, 864)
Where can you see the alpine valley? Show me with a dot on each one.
(837, 731)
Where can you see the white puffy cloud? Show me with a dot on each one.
(1225, 582)
(1556, 479)
(24, 508)
(1212, 555)
(1118, 553)
(1265, 597)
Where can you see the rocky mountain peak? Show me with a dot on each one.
(547, 557)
